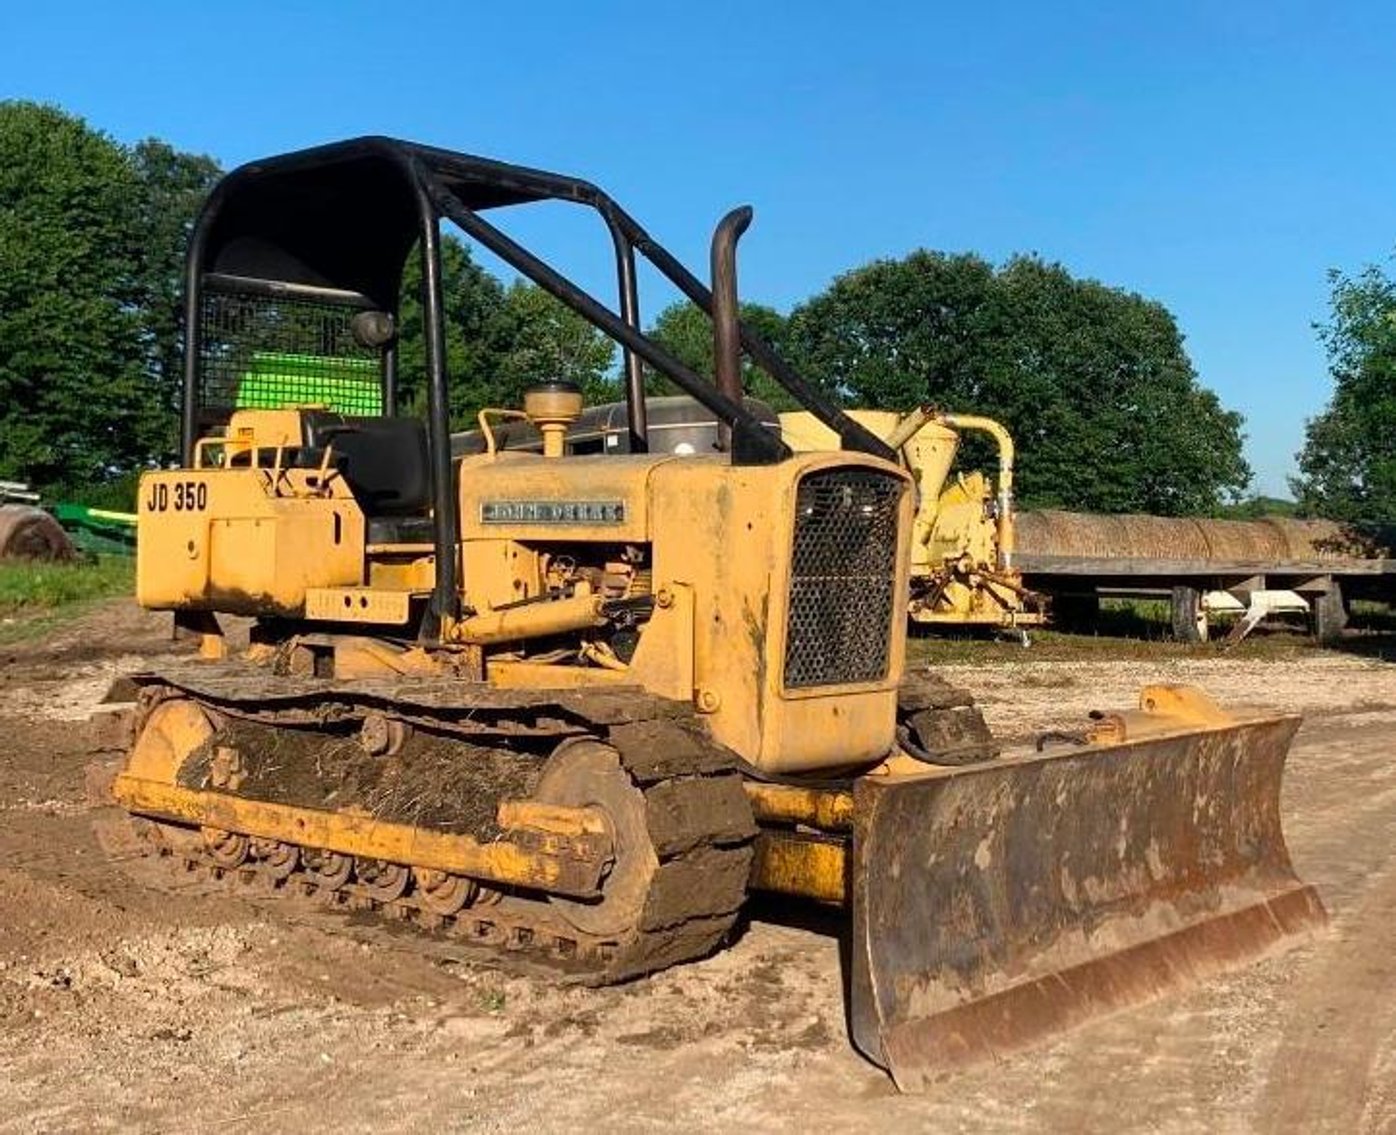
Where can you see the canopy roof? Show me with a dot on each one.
(345, 215)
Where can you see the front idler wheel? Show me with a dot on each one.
(585, 773)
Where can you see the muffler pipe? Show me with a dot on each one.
(727, 333)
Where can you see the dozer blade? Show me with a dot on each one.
(998, 903)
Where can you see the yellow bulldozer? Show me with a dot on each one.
(578, 709)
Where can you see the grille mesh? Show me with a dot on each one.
(265, 352)
(843, 578)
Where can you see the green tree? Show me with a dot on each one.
(1092, 381)
(499, 340)
(75, 405)
(550, 342)
(1259, 507)
(478, 335)
(687, 332)
(92, 240)
(1347, 468)
(172, 187)
(895, 333)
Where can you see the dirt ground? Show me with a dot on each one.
(121, 1008)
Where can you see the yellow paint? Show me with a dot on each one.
(255, 541)
(664, 660)
(574, 870)
(1184, 702)
(513, 674)
(827, 809)
(552, 411)
(357, 605)
(789, 864)
(401, 567)
(1163, 709)
(1004, 502)
(251, 430)
(927, 455)
(172, 731)
(546, 545)
(805, 433)
(514, 476)
(534, 620)
(901, 764)
(719, 541)
(725, 532)
(556, 819)
(362, 657)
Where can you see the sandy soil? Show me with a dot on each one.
(121, 1008)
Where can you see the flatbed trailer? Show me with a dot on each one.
(1249, 568)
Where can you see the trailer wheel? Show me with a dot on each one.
(1329, 614)
(32, 534)
(1188, 616)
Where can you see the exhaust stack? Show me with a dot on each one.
(727, 332)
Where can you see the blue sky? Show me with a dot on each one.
(1219, 157)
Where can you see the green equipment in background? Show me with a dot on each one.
(97, 530)
(342, 385)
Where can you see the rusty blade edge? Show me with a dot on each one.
(917, 1053)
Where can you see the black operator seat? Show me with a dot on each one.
(386, 465)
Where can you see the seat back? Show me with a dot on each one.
(384, 460)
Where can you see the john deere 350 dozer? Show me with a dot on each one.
(579, 708)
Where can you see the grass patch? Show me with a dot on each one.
(31, 594)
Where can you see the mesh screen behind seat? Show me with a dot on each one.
(265, 352)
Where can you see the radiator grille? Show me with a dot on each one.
(843, 578)
(265, 352)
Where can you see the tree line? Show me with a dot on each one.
(1094, 381)
(91, 243)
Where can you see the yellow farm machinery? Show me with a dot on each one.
(579, 708)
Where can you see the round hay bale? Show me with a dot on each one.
(32, 534)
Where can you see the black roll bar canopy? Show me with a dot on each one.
(343, 218)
